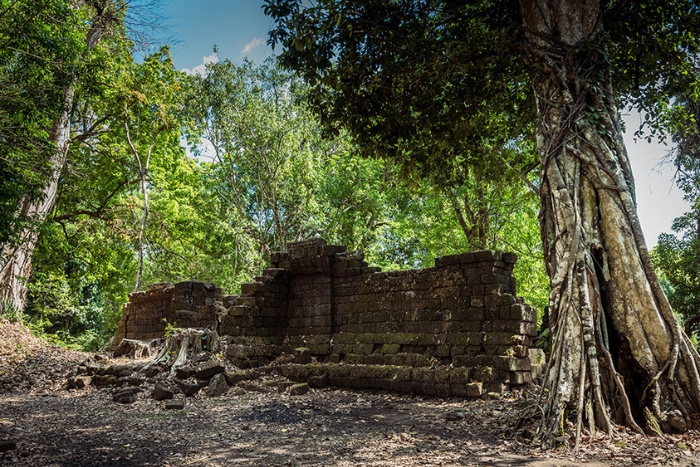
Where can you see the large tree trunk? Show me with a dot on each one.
(16, 259)
(619, 355)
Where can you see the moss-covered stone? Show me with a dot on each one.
(474, 389)
(465, 338)
(483, 374)
(443, 390)
(459, 375)
(441, 375)
(390, 349)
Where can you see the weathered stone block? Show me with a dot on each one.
(390, 349)
(443, 390)
(175, 404)
(483, 374)
(471, 326)
(275, 272)
(252, 288)
(502, 338)
(520, 377)
(465, 338)
(161, 391)
(363, 349)
(495, 387)
(318, 381)
(217, 386)
(488, 255)
(443, 351)
(473, 389)
(302, 355)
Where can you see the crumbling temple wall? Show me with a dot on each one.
(454, 329)
(185, 304)
(323, 316)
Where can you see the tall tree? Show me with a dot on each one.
(152, 112)
(679, 256)
(412, 80)
(266, 146)
(83, 25)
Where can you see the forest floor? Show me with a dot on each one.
(54, 427)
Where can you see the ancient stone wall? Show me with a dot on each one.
(455, 329)
(185, 304)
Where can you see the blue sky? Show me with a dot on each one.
(239, 28)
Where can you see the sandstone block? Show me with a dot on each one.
(206, 370)
(217, 385)
(162, 392)
(299, 389)
(473, 389)
(175, 404)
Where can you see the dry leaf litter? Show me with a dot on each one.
(259, 422)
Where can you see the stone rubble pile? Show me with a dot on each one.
(204, 373)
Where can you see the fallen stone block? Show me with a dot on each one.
(302, 355)
(162, 392)
(175, 404)
(184, 372)
(188, 389)
(299, 389)
(474, 389)
(217, 386)
(124, 397)
(208, 369)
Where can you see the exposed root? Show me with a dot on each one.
(134, 348)
(588, 207)
(180, 342)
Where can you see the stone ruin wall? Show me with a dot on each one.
(185, 304)
(456, 329)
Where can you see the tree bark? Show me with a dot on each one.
(16, 259)
(619, 355)
(16, 262)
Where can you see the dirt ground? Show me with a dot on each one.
(55, 427)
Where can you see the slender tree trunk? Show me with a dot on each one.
(143, 172)
(472, 216)
(142, 233)
(619, 355)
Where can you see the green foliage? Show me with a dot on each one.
(436, 112)
(265, 149)
(455, 112)
(9, 312)
(40, 47)
(458, 117)
(74, 297)
(170, 329)
(678, 256)
(544, 340)
(679, 260)
(278, 180)
(271, 175)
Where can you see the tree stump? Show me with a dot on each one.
(178, 345)
(134, 348)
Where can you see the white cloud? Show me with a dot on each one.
(201, 70)
(250, 46)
